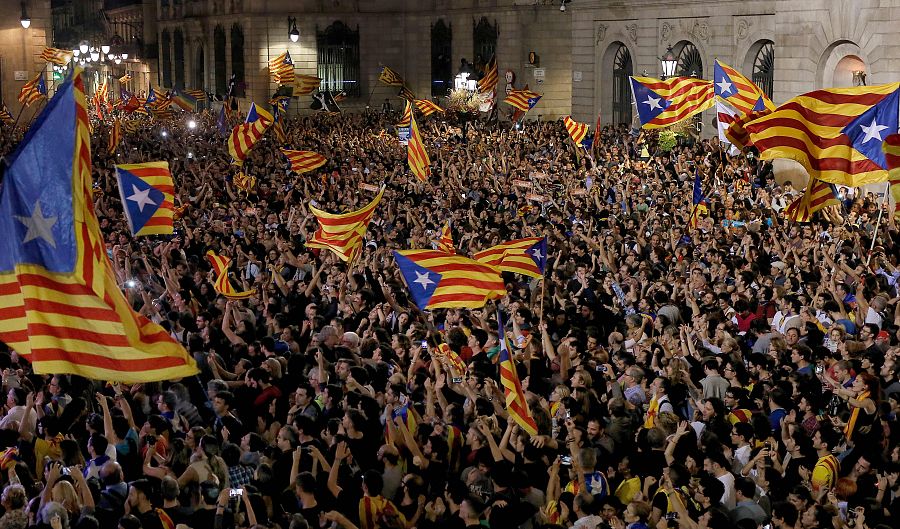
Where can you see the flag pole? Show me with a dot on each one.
(887, 191)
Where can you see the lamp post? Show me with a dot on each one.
(669, 62)
(293, 32)
(25, 20)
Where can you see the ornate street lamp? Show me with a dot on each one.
(669, 62)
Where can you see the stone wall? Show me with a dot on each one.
(20, 49)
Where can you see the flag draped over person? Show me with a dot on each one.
(738, 91)
(60, 302)
(835, 134)
(148, 197)
(343, 233)
(699, 204)
(514, 395)
(222, 285)
(523, 256)
(440, 280)
(661, 103)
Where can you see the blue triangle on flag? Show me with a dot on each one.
(140, 199)
(724, 86)
(649, 103)
(538, 253)
(760, 105)
(421, 281)
(868, 130)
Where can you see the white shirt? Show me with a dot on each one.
(728, 499)
(15, 414)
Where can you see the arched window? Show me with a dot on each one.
(764, 68)
(237, 59)
(220, 60)
(338, 59)
(179, 58)
(622, 70)
(690, 63)
(165, 42)
(441, 58)
(484, 38)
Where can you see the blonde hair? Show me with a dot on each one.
(64, 493)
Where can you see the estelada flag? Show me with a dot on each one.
(60, 303)
(440, 280)
(147, 193)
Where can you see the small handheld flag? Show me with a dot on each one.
(222, 285)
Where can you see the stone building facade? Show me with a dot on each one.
(20, 49)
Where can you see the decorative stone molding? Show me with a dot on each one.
(631, 30)
(699, 30)
(743, 29)
(601, 33)
(665, 32)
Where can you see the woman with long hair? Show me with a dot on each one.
(206, 465)
(863, 400)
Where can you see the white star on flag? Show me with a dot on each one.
(423, 280)
(536, 253)
(724, 86)
(653, 102)
(873, 131)
(38, 225)
(141, 198)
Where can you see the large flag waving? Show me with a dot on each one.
(406, 117)
(523, 256)
(343, 233)
(661, 103)
(577, 131)
(725, 116)
(148, 197)
(836, 134)
(60, 303)
(516, 404)
(391, 78)
(244, 136)
(441, 280)
(282, 69)
(523, 100)
(427, 107)
(223, 286)
(739, 91)
(306, 84)
(416, 156)
(56, 56)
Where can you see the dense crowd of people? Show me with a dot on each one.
(741, 371)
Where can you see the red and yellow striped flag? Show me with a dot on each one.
(196, 93)
(60, 303)
(6, 116)
(450, 359)
(244, 182)
(427, 107)
(577, 131)
(407, 115)
(441, 280)
(740, 92)
(115, 136)
(244, 136)
(222, 285)
(892, 158)
(282, 69)
(391, 78)
(835, 134)
(304, 161)
(373, 509)
(516, 404)
(125, 78)
(416, 156)
(33, 91)
(343, 233)
(523, 100)
(818, 195)
(661, 103)
(306, 84)
(445, 240)
(488, 83)
(148, 197)
(523, 256)
(56, 56)
(406, 93)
